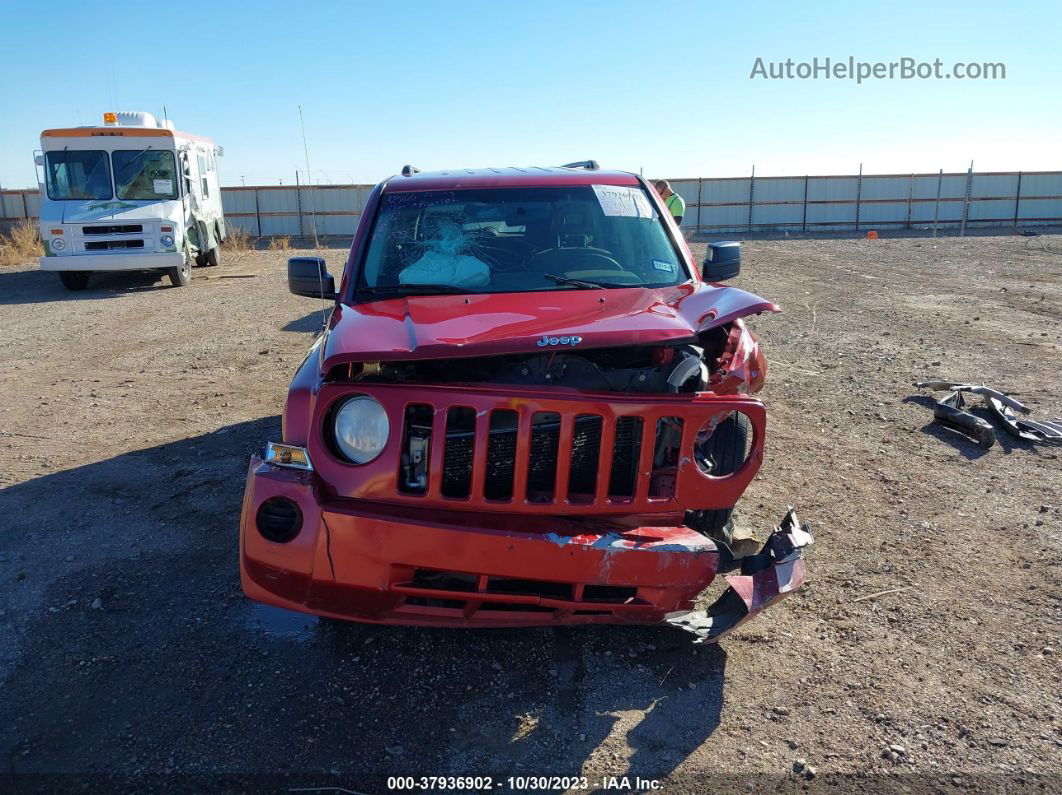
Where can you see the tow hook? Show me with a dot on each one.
(766, 577)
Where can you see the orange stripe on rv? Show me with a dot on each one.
(120, 132)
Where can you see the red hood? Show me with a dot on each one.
(454, 326)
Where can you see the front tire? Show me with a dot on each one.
(74, 280)
(180, 276)
(213, 257)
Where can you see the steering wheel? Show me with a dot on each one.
(577, 255)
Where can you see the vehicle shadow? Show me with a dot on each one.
(310, 323)
(37, 286)
(120, 587)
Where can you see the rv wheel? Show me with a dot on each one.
(213, 257)
(180, 277)
(74, 280)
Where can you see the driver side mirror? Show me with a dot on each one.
(722, 262)
(309, 276)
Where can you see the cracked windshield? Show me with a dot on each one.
(519, 240)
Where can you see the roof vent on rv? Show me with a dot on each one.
(136, 118)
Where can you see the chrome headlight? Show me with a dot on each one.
(361, 429)
(58, 244)
(166, 240)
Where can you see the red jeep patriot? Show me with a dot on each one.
(528, 407)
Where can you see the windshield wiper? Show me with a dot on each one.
(415, 289)
(576, 282)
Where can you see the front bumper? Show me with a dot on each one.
(112, 262)
(391, 565)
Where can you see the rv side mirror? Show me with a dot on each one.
(39, 160)
(723, 261)
(309, 276)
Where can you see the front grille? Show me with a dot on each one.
(111, 245)
(114, 229)
(538, 452)
(578, 480)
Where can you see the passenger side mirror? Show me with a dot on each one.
(723, 261)
(309, 276)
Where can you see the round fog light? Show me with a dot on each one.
(58, 244)
(166, 240)
(279, 519)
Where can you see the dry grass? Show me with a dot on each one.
(237, 240)
(282, 243)
(20, 244)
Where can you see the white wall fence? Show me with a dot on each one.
(948, 201)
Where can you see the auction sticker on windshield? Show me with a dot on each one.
(622, 201)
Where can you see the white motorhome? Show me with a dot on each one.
(132, 194)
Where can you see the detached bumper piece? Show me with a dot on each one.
(951, 411)
(766, 578)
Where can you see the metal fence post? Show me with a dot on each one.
(1017, 201)
(257, 213)
(298, 200)
(910, 200)
(859, 194)
(966, 200)
(752, 193)
(804, 220)
(936, 210)
(700, 186)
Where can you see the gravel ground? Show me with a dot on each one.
(127, 649)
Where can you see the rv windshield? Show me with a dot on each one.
(144, 174)
(518, 239)
(83, 174)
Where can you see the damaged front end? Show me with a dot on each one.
(517, 484)
(766, 578)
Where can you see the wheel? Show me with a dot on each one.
(180, 276)
(213, 257)
(74, 280)
(201, 260)
(725, 451)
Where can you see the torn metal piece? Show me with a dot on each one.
(977, 389)
(951, 411)
(766, 578)
(1029, 430)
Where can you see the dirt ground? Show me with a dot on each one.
(127, 650)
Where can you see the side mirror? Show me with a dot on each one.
(309, 276)
(722, 262)
(38, 160)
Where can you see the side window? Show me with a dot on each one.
(203, 181)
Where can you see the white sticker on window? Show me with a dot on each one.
(164, 186)
(663, 266)
(623, 201)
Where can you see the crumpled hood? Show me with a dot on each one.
(455, 326)
(113, 210)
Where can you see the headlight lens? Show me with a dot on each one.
(58, 244)
(361, 429)
(166, 240)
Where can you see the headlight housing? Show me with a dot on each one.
(166, 240)
(361, 429)
(58, 244)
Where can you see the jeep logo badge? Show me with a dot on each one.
(548, 342)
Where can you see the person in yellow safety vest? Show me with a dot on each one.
(674, 203)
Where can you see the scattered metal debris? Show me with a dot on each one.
(1029, 430)
(951, 411)
(767, 577)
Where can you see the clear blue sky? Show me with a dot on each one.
(659, 86)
